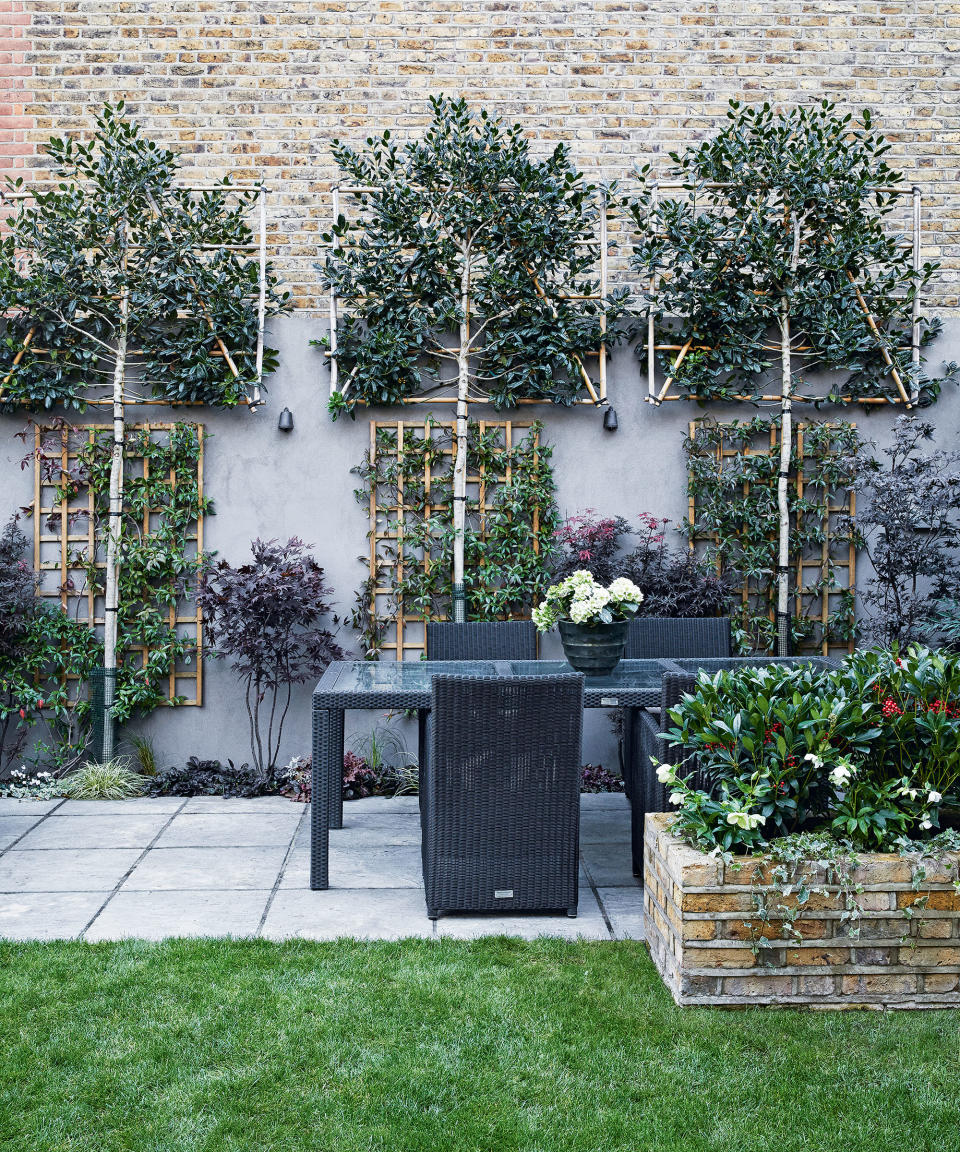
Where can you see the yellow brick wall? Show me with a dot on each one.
(258, 87)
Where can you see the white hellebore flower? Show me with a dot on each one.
(677, 798)
(841, 773)
(934, 798)
(911, 792)
(746, 820)
(925, 824)
(666, 774)
(815, 760)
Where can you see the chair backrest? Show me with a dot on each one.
(482, 640)
(496, 736)
(653, 638)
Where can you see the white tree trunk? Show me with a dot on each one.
(460, 461)
(786, 449)
(114, 529)
(783, 491)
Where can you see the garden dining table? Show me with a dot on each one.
(396, 686)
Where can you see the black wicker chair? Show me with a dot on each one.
(652, 638)
(482, 640)
(670, 637)
(475, 640)
(500, 796)
(646, 792)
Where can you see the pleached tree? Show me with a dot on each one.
(469, 266)
(779, 257)
(116, 284)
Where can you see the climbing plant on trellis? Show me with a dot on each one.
(407, 476)
(160, 634)
(734, 519)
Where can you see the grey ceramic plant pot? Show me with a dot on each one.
(593, 649)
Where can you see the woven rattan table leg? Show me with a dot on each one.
(323, 729)
(334, 768)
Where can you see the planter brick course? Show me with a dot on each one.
(701, 924)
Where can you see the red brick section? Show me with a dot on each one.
(16, 89)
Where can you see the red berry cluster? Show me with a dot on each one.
(770, 733)
(891, 708)
(944, 708)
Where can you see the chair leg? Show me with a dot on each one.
(572, 912)
(433, 914)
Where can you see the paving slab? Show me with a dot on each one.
(610, 865)
(157, 915)
(371, 805)
(589, 923)
(187, 869)
(9, 806)
(240, 804)
(47, 915)
(364, 830)
(365, 914)
(65, 870)
(229, 829)
(604, 825)
(624, 908)
(360, 866)
(590, 801)
(136, 805)
(13, 827)
(126, 830)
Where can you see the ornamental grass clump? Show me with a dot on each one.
(111, 780)
(869, 753)
(582, 600)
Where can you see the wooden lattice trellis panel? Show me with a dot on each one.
(823, 575)
(65, 539)
(405, 632)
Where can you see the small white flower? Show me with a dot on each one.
(814, 760)
(934, 798)
(925, 824)
(677, 798)
(911, 792)
(839, 775)
(666, 774)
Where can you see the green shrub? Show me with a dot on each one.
(869, 752)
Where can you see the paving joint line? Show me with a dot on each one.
(283, 867)
(22, 835)
(596, 896)
(126, 876)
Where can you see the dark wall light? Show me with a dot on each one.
(610, 422)
(285, 423)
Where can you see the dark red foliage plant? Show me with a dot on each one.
(267, 618)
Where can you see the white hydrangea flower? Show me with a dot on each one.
(624, 589)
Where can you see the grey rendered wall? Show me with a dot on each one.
(269, 484)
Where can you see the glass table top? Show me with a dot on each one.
(412, 678)
(635, 674)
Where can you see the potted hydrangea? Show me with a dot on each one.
(592, 620)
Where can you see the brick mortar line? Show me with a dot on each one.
(258, 934)
(43, 816)
(126, 876)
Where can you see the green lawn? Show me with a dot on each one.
(439, 1045)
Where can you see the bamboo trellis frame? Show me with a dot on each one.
(596, 388)
(836, 558)
(258, 247)
(406, 633)
(68, 529)
(656, 395)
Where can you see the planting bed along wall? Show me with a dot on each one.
(902, 950)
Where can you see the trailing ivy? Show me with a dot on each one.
(506, 545)
(736, 518)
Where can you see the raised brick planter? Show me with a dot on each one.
(699, 930)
